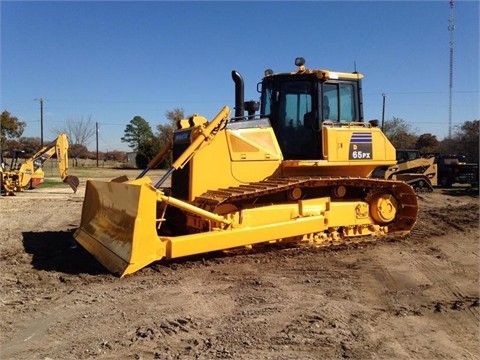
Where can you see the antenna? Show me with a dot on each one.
(451, 28)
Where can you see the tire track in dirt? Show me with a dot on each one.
(375, 300)
(455, 293)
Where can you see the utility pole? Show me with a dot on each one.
(451, 27)
(41, 120)
(96, 132)
(383, 109)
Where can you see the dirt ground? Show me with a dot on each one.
(415, 297)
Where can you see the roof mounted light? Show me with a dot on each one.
(268, 72)
(299, 61)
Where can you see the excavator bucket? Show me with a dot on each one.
(73, 182)
(118, 225)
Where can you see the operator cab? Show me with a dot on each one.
(299, 103)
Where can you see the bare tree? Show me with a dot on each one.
(175, 115)
(79, 131)
(165, 132)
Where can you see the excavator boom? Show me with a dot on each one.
(29, 173)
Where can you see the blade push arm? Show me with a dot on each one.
(206, 134)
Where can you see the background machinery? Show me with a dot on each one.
(300, 171)
(425, 171)
(29, 173)
(412, 167)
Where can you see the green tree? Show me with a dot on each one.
(140, 138)
(447, 146)
(400, 134)
(147, 151)
(10, 127)
(137, 133)
(466, 139)
(427, 143)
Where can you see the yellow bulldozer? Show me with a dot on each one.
(20, 176)
(300, 171)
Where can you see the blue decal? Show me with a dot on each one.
(360, 146)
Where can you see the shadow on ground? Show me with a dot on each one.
(58, 251)
(462, 191)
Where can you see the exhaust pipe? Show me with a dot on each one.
(239, 97)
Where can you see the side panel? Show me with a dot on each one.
(357, 144)
(254, 153)
(348, 150)
(233, 157)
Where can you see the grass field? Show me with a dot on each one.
(100, 172)
(106, 171)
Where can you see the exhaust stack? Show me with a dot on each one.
(239, 97)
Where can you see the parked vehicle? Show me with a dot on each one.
(454, 169)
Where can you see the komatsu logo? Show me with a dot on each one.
(360, 146)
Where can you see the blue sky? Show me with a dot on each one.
(113, 60)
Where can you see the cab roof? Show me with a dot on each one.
(320, 73)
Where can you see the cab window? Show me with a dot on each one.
(295, 120)
(338, 102)
(295, 103)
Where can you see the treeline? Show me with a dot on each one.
(146, 143)
(138, 134)
(464, 140)
(30, 145)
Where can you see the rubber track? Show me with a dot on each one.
(253, 192)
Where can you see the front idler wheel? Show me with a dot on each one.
(383, 207)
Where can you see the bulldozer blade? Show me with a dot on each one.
(122, 178)
(73, 182)
(118, 225)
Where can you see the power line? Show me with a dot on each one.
(109, 146)
(422, 92)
